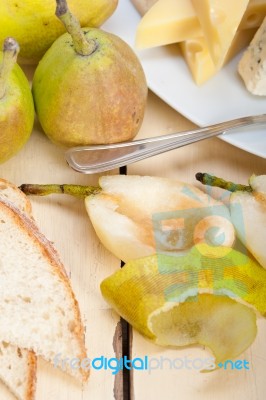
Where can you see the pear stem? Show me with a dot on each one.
(73, 190)
(10, 50)
(82, 46)
(211, 180)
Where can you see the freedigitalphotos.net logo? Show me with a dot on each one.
(176, 234)
(115, 365)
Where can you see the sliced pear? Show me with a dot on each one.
(136, 216)
(247, 209)
(226, 327)
(248, 212)
(192, 299)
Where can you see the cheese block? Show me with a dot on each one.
(254, 15)
(164, 22)
(167, 21)
(219, 20)
(252, 66)
(199, 61)
(143, 5)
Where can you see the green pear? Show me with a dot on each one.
(16, 103)
(89, 88)
(34, 25)
(248, 211)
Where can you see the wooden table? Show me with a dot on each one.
(64, 221)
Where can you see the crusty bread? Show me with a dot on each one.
(143, 5)
(17, 366)
(11, 193)
(18, 370)
(38, 309)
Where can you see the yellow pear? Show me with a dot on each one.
(35, 27)
(16, 103)
(89, 88)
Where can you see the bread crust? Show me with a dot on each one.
(32, 376)
(5, 184)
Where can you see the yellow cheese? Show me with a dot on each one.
(199, 61)
(254, 15)
(171, 21)
(167, 21)
(241, 40)
(219, 20)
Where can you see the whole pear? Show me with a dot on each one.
(35, 27)
(16, 103)
(89, 88)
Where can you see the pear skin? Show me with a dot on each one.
(182, 302)
(35, 27)
(97, 98)
(16, 111)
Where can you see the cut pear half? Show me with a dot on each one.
(221, 324)
(247, 210)
(248, 213)
(211, 297)
(137, 216)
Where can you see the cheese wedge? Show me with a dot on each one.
(168, 21)
(143, 5)
(199, 61)
(219, 20)
(254, 15)
(252, 66)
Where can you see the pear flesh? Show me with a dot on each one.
(136, 216)
(16, 105)
(248, 213)
(35, 27)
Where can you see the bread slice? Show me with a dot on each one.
(17, 366)
(11, 193)
(18, 370)
(38, 309)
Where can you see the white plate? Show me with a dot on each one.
(222, 98)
